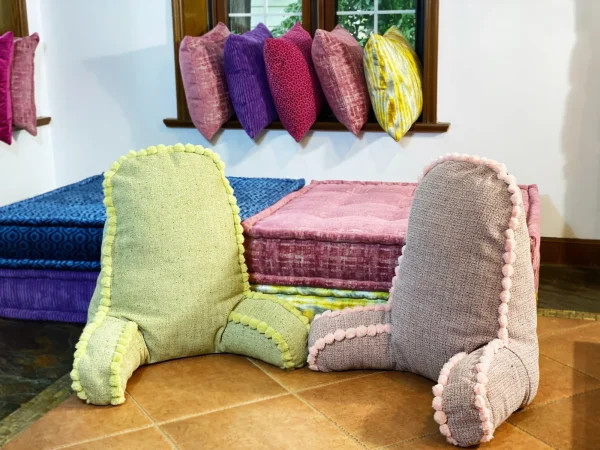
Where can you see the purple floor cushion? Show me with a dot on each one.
(343, 235)
(247, 79)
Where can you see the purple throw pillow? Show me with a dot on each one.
(247, 79)
(6, 56)
(22, 87)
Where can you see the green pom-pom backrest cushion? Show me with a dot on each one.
(174, 282)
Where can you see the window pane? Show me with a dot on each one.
(284, 6)
(360, 25)
(246, 6)
(355, 5)
(280, 24)
(397, 5)
(406, 23)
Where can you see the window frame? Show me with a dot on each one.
(20, 28)
(193, 17)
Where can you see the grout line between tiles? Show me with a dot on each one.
(357, 377)
(569, 366)
(250, 402)
(99, 438)
(552, 402)
(307, 403)
(565, 330)
(406, 441)
(532, 435)
(160, 430)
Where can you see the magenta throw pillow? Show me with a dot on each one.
(293, 82)
(338, 60)
(6, 56)
(22, 86)
(203, 74)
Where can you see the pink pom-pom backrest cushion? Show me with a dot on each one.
(6, 56)
(203, 74)
(338, 60)
(22, 84)
(293, 82)
(448, 292)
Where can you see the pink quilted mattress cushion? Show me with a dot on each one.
(342, 234)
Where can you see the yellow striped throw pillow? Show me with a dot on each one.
(393, 74)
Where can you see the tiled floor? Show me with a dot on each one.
(226, 401)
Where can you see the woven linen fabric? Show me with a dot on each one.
(293, 81)
(167, 292)
(22, 87)
(62, 229)
(462, 310)
(338, 60)
(6, 56)
(342, 235)
(203, 74)
(393, 74)
(247, 79)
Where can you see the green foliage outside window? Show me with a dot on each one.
(361, 25)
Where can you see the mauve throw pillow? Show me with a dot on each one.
(247, 79)
(6, 55)
(203, 74)
(294, 84)
(22, 87)
(338, 60)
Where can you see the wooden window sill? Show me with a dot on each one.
(41, 121)
(418, 127)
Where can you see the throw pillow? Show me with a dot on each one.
(294, 84)
(338, 60)
(6, 56)
(22, 87)
(203, 75)
(247, 79)
(393, 73)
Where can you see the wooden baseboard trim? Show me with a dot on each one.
(570, 252)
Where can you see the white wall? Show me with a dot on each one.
(26, 166)
(518, 79)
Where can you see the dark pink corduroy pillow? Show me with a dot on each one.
(22, 86)
(203, 73)
(293, 82)
(338, 60)
(6, 55)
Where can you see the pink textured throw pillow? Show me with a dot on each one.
(293, 82)
(22, 87)
(338, 60)
(6, 55)
(203, 74)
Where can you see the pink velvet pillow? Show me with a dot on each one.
(22, 87)
(6, 56)
(338, 60)
(203, 73)
(293, 82)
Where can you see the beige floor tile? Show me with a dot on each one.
(75, 421)
(306, 378)
(572, 423)
(550, 325)
(380, 409)
(150, 438)
(559, 381)
(280, 423)
(182, 387)
(578, 348)
(506, 437)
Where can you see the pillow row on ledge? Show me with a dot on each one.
(261, 78)
(17, 90)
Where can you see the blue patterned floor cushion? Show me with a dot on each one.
(62, 229)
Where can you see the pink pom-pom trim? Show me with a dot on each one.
(339, 335)
(378, 307)
(438, 391)
(509, 259)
